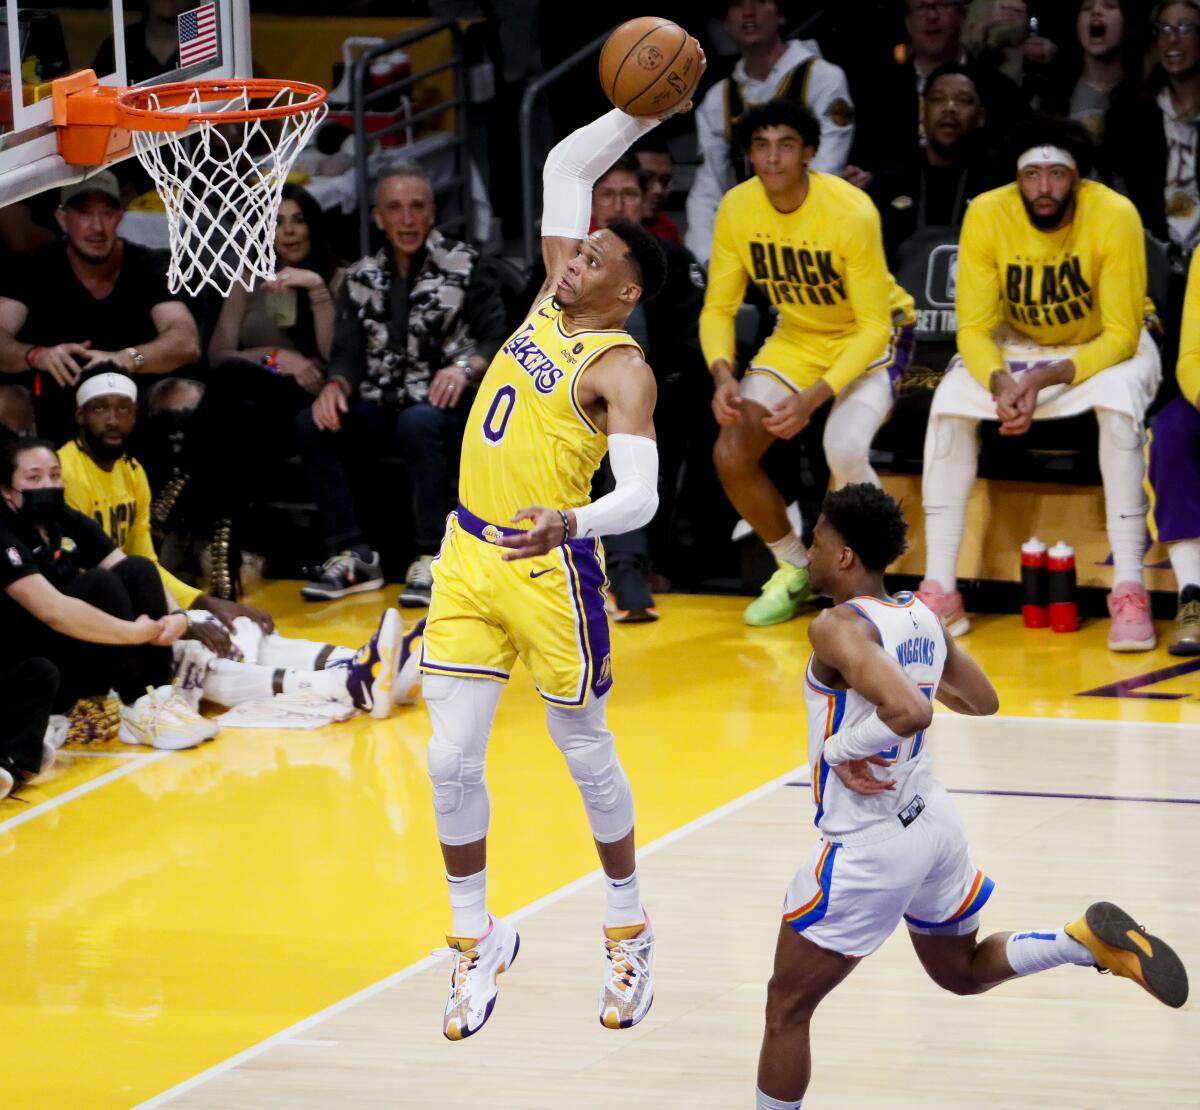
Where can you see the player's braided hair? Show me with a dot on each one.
(870, 521)
(646, 256)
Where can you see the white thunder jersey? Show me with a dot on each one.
(911, 633)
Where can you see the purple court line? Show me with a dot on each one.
(1071, 797)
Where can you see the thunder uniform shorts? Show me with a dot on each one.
(787, 364)
(849, 897)
(547, 611)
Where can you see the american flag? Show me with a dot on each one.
(197, 35)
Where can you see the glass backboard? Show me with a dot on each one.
(126, 42)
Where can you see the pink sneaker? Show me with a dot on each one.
(1132, 628)
(947, 606)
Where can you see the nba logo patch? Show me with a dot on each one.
(14, 556)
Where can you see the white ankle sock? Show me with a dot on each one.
(468, 904)
(624, 901)
(1185, 562)
(766, 1102)
(329, 684)
(1039, 951)
(789, 550)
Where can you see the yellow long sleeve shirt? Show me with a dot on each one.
(119, 501)
(1082, 285)
(822, 265)
(1187, 369)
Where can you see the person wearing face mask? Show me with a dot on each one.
(68, 595)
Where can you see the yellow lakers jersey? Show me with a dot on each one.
(528, 440)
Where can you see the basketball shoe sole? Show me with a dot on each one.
(1122, 946)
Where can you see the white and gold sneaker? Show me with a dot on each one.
(477, 966)
(628, 988)
(161, 718)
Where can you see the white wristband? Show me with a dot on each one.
(869, 737)
(634, 462)
(575, 164)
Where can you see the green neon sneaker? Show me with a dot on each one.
(781, 598)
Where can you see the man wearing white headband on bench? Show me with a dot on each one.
(1051, 299)
(231, 652)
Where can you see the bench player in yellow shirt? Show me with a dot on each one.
(521, 575)
(812, 244)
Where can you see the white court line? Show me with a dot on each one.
(1092, 722)
(102, 755)
(82, 789)
(290, 1034)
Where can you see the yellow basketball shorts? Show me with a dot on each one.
(547, 611)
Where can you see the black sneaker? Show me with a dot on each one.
(418, 583)
(342, 575)
(629, 600)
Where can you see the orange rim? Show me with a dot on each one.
(137, 116)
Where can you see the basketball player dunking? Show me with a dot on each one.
(892, 844)
(521, 576)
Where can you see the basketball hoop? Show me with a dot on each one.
(219, 153)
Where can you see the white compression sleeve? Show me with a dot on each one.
(573, 166)
(869, 737)
(634, 462)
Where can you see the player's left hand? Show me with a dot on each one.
(228, 611)
(448, 386)
(545, 535)
(791, 416)
(856, 775)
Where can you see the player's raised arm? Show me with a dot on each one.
(963, 686)
(844, 641)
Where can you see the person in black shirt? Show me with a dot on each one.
(416, 326)
(27, 690)
(934, 185)
(68, 595)
(91, 298)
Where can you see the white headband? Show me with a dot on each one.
(1045, 155)
(105, 385)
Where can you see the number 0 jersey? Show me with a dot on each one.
(528, 440)
(913, 635)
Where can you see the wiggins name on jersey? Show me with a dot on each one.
(528, 440)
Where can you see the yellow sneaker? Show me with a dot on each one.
(1122, 946)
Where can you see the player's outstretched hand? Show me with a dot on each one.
(856, 775)
(545, 535)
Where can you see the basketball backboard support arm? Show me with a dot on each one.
(29, 158)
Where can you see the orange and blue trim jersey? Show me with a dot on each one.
(818, 905)
(907, 630)
(528, 441)
(979, 892)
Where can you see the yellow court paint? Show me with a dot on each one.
(206, 900)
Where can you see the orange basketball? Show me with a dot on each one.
(648, 66)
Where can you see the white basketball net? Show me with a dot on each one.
(221, 184)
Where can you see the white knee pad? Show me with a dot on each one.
(851, 427)
(583, 737)
(461, 710)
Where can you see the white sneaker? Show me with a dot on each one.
(477, 965)
(162, 719)
(628, 988)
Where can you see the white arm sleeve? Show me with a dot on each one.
(869, 737)
(634, 462)
(573, 166)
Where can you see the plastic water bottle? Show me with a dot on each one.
(1035, 584)
(1064, 611)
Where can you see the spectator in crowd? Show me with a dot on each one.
(891, 132)
(1006, 35)
(106, 484)
(769, 68)
(1104, 53)
(812, 244)
(415, 330)
(16, 411)
(1154, 133)
(71, 597)
(656, 168)
(103, 482)
(151, 44)
(1050, 295)
(1174, 459)
(268, 355)
(27, 689)
(91, 298)
(934, 187)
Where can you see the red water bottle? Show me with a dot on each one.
(1064, 611)
(1035, 584)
